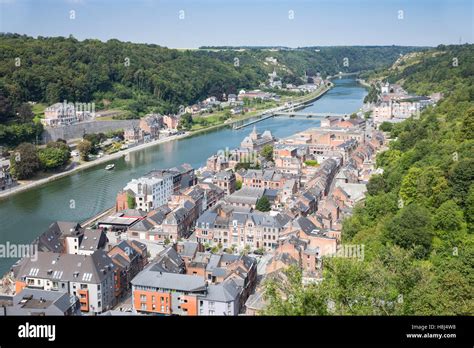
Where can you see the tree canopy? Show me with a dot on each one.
(417, 220)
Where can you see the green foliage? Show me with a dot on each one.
(53, 157)
(186, 121)
(14, 134)
(157, 78)
(386, 126)
(267, 152)
(461, 178)
(410, 228)
(131, 201)
(376, 185)
(449, 219)
(419, 255)
(24, 161)
(373, 94)
(427, 184)
(238, 185)
(311, 163)
(263, 204)
(84, 148)
(25, 113)
(246, 165)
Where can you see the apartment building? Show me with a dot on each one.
(36, 302)
(88, 277)
(230, 227)
(151, 192)
(59, 114)
(158, 292)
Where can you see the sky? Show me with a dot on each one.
(291, 23)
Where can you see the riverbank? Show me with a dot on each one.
(86, 165)
(25, 215)
(300, 101)
(363, 83)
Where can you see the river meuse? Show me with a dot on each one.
(26, 215)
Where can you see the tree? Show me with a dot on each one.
(130, 201)
(25, 113)
(460, 179)
(263, 204)
(411, 228)
(238, 185)
(53, 157)
(186, 121)
(380, 205)
(6, 109)
(376, 185)
(246, 165)
(467, 125)
(386, 126)
(449, 217)
(425, 186)
(84, 148)
(267, 152)
(469, 212)
(25, 162)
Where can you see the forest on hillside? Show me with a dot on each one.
(417, 222)
(148, 77)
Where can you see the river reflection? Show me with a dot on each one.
(83, 194)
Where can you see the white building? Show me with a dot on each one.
(221, 299)
(88, 277)
(59, 114)
(151, 192)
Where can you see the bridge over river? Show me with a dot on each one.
(308, 114)
(290, 114)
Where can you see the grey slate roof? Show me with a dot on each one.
(226, 291)
(189, 248)
(141, 225)
(38, 302)
(172, 281)
(168, 260)
(209, 217)
(93, 240)
(51, 239)
(305, 224)
(67, 267)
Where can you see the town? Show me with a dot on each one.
(94, 137)
(203, 241)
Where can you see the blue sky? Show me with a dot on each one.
(246, 22)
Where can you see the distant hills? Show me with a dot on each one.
(142, 78)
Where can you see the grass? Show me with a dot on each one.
(38, 110)
(311, 163)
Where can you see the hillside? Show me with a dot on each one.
(417, 221)
(145, 77)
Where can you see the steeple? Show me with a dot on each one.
(254, 134)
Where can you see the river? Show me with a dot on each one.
(79, 196)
